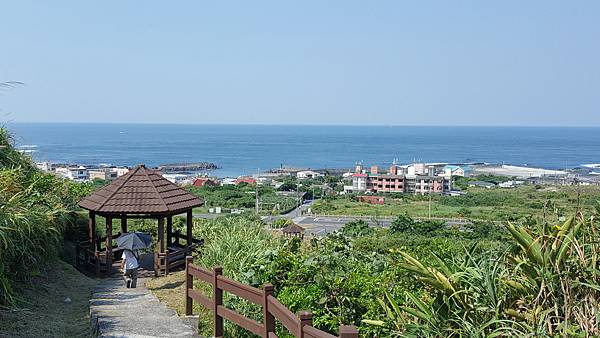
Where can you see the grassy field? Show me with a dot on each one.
(478, 203)
(45, 311)
(243, 197)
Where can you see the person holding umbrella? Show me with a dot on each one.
(131, 243)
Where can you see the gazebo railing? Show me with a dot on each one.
(175, 254)
(86, 259)
(94, 259)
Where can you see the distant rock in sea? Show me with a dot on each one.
(178, 167)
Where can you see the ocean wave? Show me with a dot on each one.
(27, 146)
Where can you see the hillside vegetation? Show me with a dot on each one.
(420, 279)
(36, 211)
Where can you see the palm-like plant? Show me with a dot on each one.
(548, 285)
(556, 284)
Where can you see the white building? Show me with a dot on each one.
(228, 181)
(103, 174)
(510, 184)
(307, 174)
(78, 174)
(176, 178)
(120, 171)
(454, 170)
(44, 166)
(359, 183)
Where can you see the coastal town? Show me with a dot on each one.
(415, 178)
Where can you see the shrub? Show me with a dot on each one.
(403, 223)
(356, 229)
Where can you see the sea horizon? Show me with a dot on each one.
(8, 123)
(241, 149)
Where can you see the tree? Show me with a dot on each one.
(403, 223)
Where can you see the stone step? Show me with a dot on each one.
(116, 311)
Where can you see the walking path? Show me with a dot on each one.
(116, 311)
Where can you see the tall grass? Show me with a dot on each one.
(34, 211)
(238, 244)
(235, 243)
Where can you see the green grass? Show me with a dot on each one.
(479, 203)
(41, 310)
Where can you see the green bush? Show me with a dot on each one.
(403, 223)
(356, 229)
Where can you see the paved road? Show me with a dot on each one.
(322, 225)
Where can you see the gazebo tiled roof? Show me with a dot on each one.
(293, 229)
(140, 191)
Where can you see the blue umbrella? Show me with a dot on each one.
(134, 241)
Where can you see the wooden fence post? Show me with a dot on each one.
(268, 319)
(189, 284)
(217, 301)
(305, 319)
(348, 331)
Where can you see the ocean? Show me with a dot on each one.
(246, 149)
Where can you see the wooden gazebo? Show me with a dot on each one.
(141, 193)
(293, 230)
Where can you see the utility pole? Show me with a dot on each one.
(430, 202)
(256, 192)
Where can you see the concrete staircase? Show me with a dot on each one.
(116, 311)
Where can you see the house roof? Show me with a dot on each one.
(200, 181)
(293, 229)
(482, 184)
(245, 180)
(140, 191)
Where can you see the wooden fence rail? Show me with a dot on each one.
(298, 325)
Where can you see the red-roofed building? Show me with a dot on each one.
(372, 199)
(204, 181)
(247, 180)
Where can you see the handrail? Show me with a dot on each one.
(300, 326)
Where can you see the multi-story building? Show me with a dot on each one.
(393, 181)
(78, 174)
(103, 174)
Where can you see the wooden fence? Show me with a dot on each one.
(299, 326)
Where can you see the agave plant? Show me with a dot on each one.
(556, 284)
(549, 285)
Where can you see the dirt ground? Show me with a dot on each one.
(56, 304)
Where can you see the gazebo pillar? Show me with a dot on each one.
(123, 223)
(92, 230)
(189, 226)
(109, 230)
(169, 230)
(161, 235)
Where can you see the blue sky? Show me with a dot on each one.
(302, 62)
